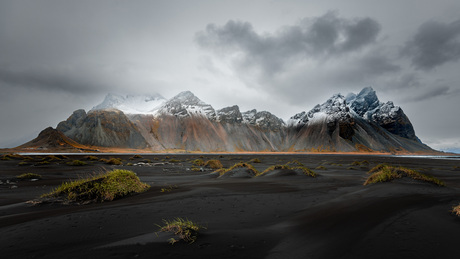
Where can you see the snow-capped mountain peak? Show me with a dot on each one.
(131, 104)
(335, 108)
(186, 104)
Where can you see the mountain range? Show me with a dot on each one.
(352, 123)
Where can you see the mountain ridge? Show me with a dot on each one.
(355, 123)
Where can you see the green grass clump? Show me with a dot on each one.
(360, 163)
(105, 187)
(51, 158)
(22, 163)
(91, 158)
(184, 229)
(28, 176)
(169, 188)
(255, 160)
(299, 166)
(174, 161)
(112, 161)
(385, 173)
(14, 156)
(198, 162)
(294, 162)
(43, 163)
(135, 157)
(456, 210)
(76, 163)
(195, 169)
(250, 167)
(213, 164)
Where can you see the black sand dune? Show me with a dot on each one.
(279, 215)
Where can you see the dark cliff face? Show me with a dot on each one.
(386, 115)
(395, 121)
(105, 128)
(230, 114)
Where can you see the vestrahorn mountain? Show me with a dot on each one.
(355, 123)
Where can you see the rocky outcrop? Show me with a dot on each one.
(386, 115)
(52, 139)
(105, 128)
(230, 114)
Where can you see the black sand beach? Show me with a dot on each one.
(279, 216)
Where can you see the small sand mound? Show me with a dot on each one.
(240, 172)
(283, 173)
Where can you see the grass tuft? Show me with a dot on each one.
(112, 161)
(385, 173)
(184, 229)
(213, 164)
(250, 167)
(198, 162)
(105, 187)
(91, 158)
(456, 210)
(174, 161)
(135, 157)
(255, 160)
(360, 163)
(77, 163)
(299, 166)
(14, 156)
(28, 176)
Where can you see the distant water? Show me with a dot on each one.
(432, 157)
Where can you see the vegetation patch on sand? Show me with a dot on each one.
(14, 156)
(213, 164)
(385, 173)
(112, 161)
(198, 162)
(288, 166)
(105, 187)
(184, 229)
(456, 210)
(28, 176)
(248, 166)
(76, 163)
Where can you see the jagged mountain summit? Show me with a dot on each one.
(131, 104)
(357, 122)
(186, 104)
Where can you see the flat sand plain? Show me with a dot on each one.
(330, 216)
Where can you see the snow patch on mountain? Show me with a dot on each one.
(131, 104)
(334, 109)
(186, 104)
(262, 119)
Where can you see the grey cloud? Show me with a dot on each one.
(52, 79)
(433, 93)
(319, 38)
(434, 44)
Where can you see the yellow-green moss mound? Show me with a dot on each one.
(106, 187)
(294, 166)
(385, 173)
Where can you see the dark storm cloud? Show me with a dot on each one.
(51, 79)
(434, 44)
(432, 93)
(319, 38)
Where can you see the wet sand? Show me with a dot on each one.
(330, 216)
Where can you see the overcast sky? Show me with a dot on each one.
(284, 56)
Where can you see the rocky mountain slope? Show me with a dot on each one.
(357, 122)
(55, 140)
